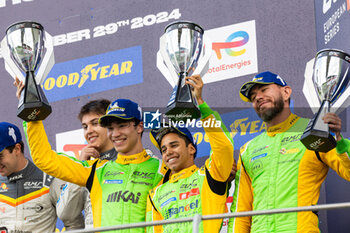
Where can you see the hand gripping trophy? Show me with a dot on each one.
(184, 50)
(28, 54)
(327, 86)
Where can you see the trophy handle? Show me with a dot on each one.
(48, 59)
(169, 74)
(342, 102)
(309, 87)
(10, 65)
(203, 65)
(162, 59)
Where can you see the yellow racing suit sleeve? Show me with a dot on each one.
(217, 168)
(221, 158)
(338, 158)
(152, 215)
(242, 199)
(55, 164)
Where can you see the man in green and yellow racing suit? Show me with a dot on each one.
(192, 190)
(275, 170)
(118, 188)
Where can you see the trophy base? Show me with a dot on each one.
(316, 136)
(182, 111)
(317, 140)
(34, 111)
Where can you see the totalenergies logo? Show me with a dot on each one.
(90, 71)
(235, 40)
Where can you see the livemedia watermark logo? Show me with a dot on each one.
(152, 119)
(155, 120)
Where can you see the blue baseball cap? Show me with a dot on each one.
(263, 78)
(156, 135)
(123, 109)
(9, 135)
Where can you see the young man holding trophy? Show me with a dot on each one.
(191, 190)
(119, 188)
(275, 169)
(28, 55)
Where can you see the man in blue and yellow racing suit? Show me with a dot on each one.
(275, 170)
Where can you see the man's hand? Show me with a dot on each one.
(88, 152)
(196, 83)
(334, 123)
(233, 173)
(20, 85)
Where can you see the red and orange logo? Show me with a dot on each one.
(191, 193)
(3, 186)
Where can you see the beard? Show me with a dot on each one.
(270, 113)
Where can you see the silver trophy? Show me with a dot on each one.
(182, 53)
(28, 54)
(331, 83)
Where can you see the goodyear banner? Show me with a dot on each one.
(94, 74)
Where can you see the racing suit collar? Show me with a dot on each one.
(135, 158)
(28, 169)
(109, 155)
(187, 172)
(283, 126)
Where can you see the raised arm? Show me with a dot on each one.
(221, 159)
(55, 164)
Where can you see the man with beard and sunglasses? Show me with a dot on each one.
(275, 170)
